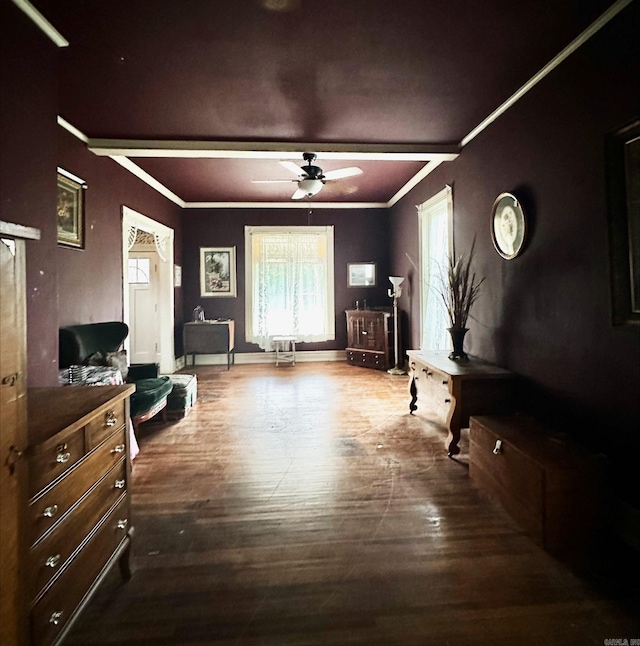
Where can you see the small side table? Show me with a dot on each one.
(285, 349)
(210, 337)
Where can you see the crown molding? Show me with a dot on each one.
(41, 22)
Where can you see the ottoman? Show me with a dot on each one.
(182, 396)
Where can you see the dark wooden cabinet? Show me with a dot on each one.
(370, 338)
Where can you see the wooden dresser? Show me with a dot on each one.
(455, 390)
(369, 338)
(547, 484)
(78, 520)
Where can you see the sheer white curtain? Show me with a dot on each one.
(289, 272)
(435, 218)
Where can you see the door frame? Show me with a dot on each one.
(131, 218)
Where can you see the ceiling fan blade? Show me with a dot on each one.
(299, 194)
(341, 173)
(294, 168)
(273, 181)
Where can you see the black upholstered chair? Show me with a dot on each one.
(100, 344)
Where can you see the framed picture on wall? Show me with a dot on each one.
(70, 207)
(623, 196)
(218, 271)
(361, 274)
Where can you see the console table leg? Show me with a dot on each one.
(452, 443)
(454, 424)
(413, 391)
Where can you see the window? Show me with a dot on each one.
(139, 271)
(289, 291)
(435, 219)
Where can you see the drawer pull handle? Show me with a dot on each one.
(11, 380)
(119, 484)
(63, 457)
(61, 447)
(55, 618)
(110, 418)
(497, 449)
(122, 523)
(447, 401)
(53, 561)
(118, 448)
(15, 455)
(445, 382)
(50, 511)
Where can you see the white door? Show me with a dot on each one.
(144, 319)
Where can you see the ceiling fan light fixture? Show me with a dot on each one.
(310, 187)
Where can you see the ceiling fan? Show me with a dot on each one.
(310, 178)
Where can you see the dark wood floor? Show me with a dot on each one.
(304, 505)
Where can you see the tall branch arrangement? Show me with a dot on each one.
(459, 288)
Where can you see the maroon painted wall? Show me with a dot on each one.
(361, 235)
(28, 175)
(547, 314)
(90, 280)
(63, 285)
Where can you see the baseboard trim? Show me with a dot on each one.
(261, 357)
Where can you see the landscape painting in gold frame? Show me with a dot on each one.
(70, 211)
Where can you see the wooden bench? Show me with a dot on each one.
(549, 485)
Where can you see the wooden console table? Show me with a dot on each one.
(458, 389)
(210, 337)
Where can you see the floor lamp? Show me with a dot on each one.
(395, 293)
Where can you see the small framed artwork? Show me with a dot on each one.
(623, 198)
(70, 206)
(508, 226)
(218, 271)
(177, 276)
(361, 274)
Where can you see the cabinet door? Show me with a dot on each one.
(366, 331)
(12, 437)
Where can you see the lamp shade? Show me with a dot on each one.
(310, 186)
(396, 281)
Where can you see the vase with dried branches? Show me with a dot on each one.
(459, 288)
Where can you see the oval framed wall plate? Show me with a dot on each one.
(508, 226)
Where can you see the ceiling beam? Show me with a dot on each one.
(298, 204)
(271, 150)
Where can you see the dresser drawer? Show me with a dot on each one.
(49, 557)
(367, 359)
(104, 424)
(434, 386)
(54, 610)
(46, 510)
(45, 467)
